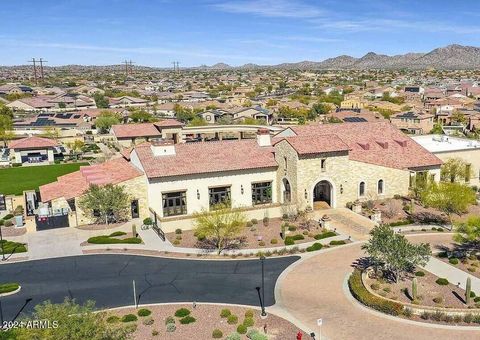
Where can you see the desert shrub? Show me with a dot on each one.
(472, 269)
(249, 322)
(442, 254)
(457, 318)
(233, 336)
(289, 241)
(266, 220)
(259, 336)
(176, 242)
(387, 290)
(298, 237)
(437, 315)
(242, 329)
(468, 318)
(291, 228)
(261, 243)
(453, 260)
(273, 241)
(325, 234)
(249, 313)
(144, 312)
(438, 299)
(314, 247)
(442, 281)
(155, 332)
(113, 319)
(249, 224)
(419, 273)
(359, 291)
(254, 221)
(251, 332)
(147, 221)
(182, 312)
(129, 318)
(337, 242)
(232, 319)
(477, 299)
(188, 319)
(225, 313)
(400, 223)
(425, 217)
(178, 231)
(217, 334)
(8, 223)
(147, 321)
(169, 319)
(8, 216)
(407, 312)
(171, 327)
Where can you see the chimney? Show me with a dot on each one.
(162, 147)
(364, 145)
(263, 137)
(383, 144)
(401, 142)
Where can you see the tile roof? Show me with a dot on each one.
(135, 130)
(378, 143)
(76, 183)
(168, 123)
(206, 157)
(32, 142)
(308, 145)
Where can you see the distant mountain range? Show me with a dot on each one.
(451, 57)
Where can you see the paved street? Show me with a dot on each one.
(107, 279)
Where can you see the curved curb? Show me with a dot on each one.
(358, 304)
(12, 292)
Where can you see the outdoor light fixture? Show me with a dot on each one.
(312, 335)
(198, 194)
(241, 189)
(341, 189)
(306, 195)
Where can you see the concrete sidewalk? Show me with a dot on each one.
(451, 273)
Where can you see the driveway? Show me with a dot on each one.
(313, 289)
(107, 279)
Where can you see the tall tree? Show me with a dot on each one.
(221, 226)
(105, 121)
(100, 100)
(6, 126)
(108, 202)
(455, 169)
(468, 231)
(393, 253)
(68, 320)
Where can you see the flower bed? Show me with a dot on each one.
(10, 247)
(117, 237)
(8, 287)
(205, 321)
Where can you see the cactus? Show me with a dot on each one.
(284, 227)
(134, 230)
(468, 290)
(414, 288)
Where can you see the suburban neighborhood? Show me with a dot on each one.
(214, 186)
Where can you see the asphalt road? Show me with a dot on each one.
(107, 279)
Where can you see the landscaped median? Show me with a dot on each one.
(9, 288)
(428, 301)
(10, 247)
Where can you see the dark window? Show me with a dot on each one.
(96, 213)
(71, 204)
(323, 164)
(134, 209)
(219, 195)
(380, 187)
(261, 193)
(174, 203)
(361, 189)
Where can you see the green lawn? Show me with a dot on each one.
(13, 181)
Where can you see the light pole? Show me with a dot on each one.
(262, 259)
(1, 243)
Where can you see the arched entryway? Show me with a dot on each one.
(323, 195)
(287, 191)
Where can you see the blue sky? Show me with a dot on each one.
(156, 32)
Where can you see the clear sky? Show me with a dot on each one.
(195, 32)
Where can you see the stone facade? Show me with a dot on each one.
(343, 174)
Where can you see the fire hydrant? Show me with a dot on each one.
(299, 335)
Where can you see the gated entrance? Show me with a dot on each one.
(51, 222)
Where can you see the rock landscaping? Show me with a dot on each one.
(202, 321)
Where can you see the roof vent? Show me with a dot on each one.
(263, 137)
(402, 142)
(162, 147)
(364, 145)
(383, 144)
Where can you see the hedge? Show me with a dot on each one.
(129, 318)
(105, 239)
(442, 281)
(144, 312)
(217, 334)
(315, 246)
(400, 223)
(8, 287)
(361, 293)
(337, 242)
(325, 234)
(117, 233)
(188, 319)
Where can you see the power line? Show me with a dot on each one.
(41, 67)
(34, 70)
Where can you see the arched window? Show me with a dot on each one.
(361, 189)
(380, 187)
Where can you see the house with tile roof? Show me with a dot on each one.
(128, 135)
(33, 150)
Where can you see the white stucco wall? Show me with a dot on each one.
(203, 182)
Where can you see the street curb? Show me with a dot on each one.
(358, 304)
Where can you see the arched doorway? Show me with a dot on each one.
(322, 195)
(287, 191)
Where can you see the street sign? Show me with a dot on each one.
(319, 322)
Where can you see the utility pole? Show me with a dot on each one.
(178, 66)
(174, 66)
(126, 68)
(41, 68)
(34, 70)
(131, 66)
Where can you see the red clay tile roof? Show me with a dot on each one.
(76, 183)
(32, 142)
(135, 130)
(206, 157)
(308, 145)
(363, 139)
(168, 123)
